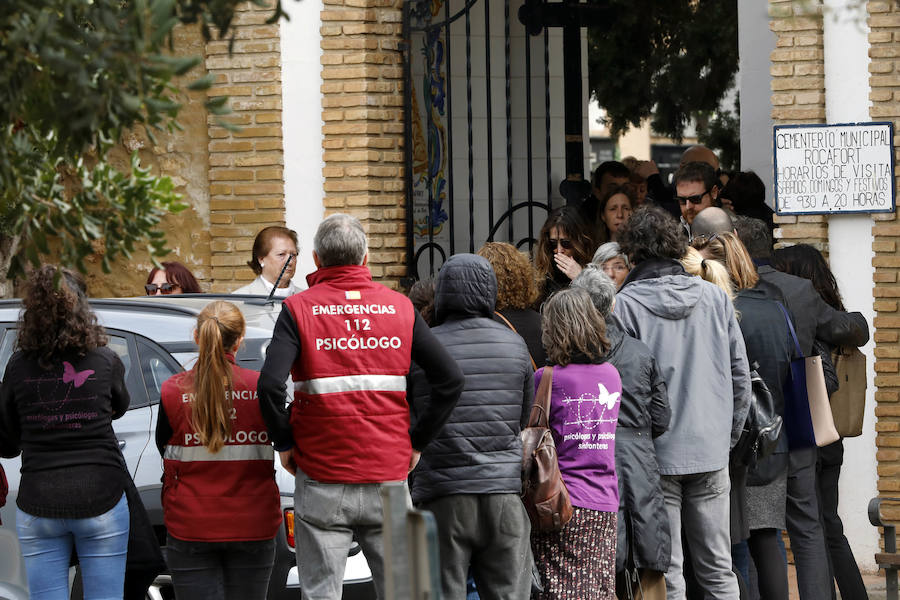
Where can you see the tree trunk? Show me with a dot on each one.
(9, 245)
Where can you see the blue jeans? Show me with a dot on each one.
(701, 502)
(101, 543)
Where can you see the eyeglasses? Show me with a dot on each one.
(695, 199)
(703, 239)
(566, 244)
(165, 288)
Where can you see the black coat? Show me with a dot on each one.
(478, 451)
(769, 345)
(813, 318)
(643, 527)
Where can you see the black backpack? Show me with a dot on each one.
(762, 427)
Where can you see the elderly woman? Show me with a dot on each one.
(578, 561)
(272, 248)
(643, 547)
(516, 293)
(614, 263)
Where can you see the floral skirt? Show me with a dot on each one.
(578, 562)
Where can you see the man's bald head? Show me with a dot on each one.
(700, 153)
(711, 220)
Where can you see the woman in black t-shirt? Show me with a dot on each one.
(60, 393)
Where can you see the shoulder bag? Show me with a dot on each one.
(543, 489)
(807, 412)
(848, 403)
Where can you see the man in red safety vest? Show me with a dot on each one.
(347, 343)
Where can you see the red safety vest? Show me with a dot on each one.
(228, 496)
(350, 417)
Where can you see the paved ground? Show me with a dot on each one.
(874, 584)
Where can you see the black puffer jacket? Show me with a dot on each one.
(478, 451)
(643, 527)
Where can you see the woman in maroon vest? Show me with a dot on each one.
(220, 500)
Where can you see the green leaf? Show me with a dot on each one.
(204, 83)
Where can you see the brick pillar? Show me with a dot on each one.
(798, 95)
(246, 185)
(884, 79)
(362, 107)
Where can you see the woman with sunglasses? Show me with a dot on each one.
(171, 278)
(564, 247)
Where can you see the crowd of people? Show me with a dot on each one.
(642, 311)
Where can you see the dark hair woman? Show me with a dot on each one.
(272, 247)
(61, 391)
(220, 501)
(579, 560)
(761, 512)
(516, 293)
(171, 278)
(805, 261)
(613, 211)
(564, 247)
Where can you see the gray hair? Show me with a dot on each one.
(609, 251)
(340, 240)
(599, 287)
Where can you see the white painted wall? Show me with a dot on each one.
(301, 98)
(850, 242)
(755, 41)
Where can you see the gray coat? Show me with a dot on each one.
(478, 451)
(690, 327)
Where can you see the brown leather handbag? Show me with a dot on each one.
(543, 489)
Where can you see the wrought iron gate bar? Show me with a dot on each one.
(490, 110)
(547, 114)
(449, 96)
(429, 136)
(509, 173)
(469, 124)
(528, 133)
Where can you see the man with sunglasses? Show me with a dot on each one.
(696, 188)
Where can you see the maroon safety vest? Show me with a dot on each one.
(350, 417)
(227, 496)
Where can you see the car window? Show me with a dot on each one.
(119, 345)
(157, 365)
(7, 346)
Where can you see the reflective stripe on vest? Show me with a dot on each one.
(200, 453)
(352, 383)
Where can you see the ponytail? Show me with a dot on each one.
(219, 327)
(709, 270)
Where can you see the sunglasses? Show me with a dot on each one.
(566, 244)
(695, 199)
(165, 288)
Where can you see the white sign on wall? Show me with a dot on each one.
(828, 169)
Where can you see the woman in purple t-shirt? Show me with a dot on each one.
(579, 561)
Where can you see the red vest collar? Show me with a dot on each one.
(342, 273)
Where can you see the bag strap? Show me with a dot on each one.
(542, 400)
(790, 324)
(510, 325)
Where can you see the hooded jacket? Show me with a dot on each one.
(690, 327)
(478, 451)
(644, 540)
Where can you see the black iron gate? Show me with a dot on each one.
(479, 142)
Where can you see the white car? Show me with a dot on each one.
(154, 338)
